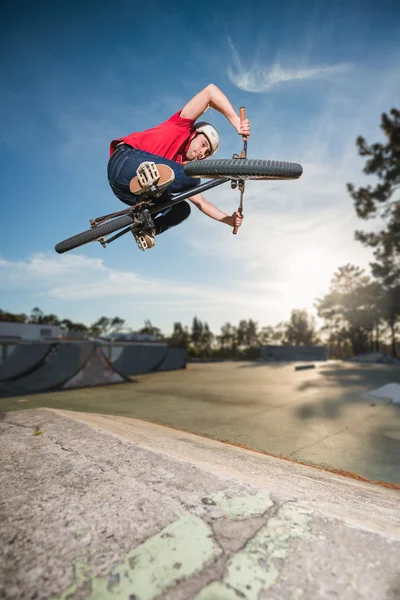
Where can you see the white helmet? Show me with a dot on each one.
(211, 134)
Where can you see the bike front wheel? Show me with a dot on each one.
(91, 235)
(243, 168)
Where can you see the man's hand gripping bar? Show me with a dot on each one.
(243, 154)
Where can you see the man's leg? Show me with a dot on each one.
(171, 217)
(122, 168)
(124, 163)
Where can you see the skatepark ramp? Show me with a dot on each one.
(140, 358)
(67, 365)
(24, 359)
(292, 353)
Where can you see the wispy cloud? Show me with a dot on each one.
(77, 277)
(315, 214)
(259, 78)
(76, 284)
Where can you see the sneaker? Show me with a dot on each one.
(145, 239)
(151, 177)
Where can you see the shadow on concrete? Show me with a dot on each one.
(208, 398)
(349, 383)
(327, 409)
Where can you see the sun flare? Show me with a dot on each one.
(307, 277)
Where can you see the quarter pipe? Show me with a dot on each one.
(24, 359)
(67, 365)
(137, 359)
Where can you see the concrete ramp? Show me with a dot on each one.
(24, 359)
(68, 365)
(137, 359)
(292, 353)
(109, 507)
(174, 359)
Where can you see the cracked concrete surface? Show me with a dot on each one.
(101, 507)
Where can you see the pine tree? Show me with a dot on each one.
(383, 201)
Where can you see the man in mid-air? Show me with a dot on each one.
(157, 157)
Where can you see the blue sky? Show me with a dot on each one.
(312, 76)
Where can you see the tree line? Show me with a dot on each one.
(359, 312)
(356, 314)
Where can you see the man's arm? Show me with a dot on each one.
(211, 96)
(234, 220)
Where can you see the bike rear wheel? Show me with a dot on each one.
(243, 168)
(93, 234)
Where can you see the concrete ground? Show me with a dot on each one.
(318, 417)
(106, 506)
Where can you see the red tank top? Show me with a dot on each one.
(170, 139)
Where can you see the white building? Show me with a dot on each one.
(28, 331)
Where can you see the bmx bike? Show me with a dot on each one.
(138, 217)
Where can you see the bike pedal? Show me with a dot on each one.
(148, 174)
(141, 242)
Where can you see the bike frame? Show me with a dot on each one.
(139, 207)
(203, 187)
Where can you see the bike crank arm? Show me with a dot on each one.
(115, 237)
(243, 154)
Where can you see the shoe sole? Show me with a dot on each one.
(167, 176)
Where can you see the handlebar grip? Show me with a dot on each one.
(236, 229)
(242, 113)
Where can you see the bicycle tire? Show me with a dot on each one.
(93, 234)
(243, 168)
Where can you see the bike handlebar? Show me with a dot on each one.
(243, 154)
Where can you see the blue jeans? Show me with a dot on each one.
(122, 168)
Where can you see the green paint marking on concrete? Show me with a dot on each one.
(243, 506)
(179, 550)
(80, 533)
(81, 577)
(252, 570)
